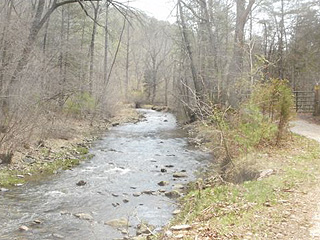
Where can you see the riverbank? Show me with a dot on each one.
(133, 180)
(277, 203)
(66, 146)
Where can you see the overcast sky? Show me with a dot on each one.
(159, 9)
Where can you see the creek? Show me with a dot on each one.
(121, 182)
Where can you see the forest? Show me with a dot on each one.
(84, 58)
(229, 70)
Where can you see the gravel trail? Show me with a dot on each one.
(311, 131)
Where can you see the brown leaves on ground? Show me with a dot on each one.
(289, 216)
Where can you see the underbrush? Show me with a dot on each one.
(260, 166)
(234, 134)
(253, 208)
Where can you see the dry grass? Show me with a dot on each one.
(276, 207)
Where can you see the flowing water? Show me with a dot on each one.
(129, 160)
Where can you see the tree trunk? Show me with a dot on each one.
(45, 39)
(4, 45)
(82, 74)
(126, 84)
(281, 45)
(106, 47)
(66, 58)
(236, 66)
(92, 45)
(38, 22)
(62, 46)
(188, 49)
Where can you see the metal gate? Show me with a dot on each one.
(304, 101)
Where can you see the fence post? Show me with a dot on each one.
(316, 100)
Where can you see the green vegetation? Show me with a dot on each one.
(240, 198)
(79, 104)
(254, 206)
(60, 161)
(264, 118)
(82, 150)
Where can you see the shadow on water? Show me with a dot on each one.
(122, 182)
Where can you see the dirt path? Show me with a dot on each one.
(304, 128)
(312, 131)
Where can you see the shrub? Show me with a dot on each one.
(275, 100)
(261, 120)
(253, 128)
(137, 97)
(79, 104)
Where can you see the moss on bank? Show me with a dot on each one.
(62, 160)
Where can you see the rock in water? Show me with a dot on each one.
(37, 221)
(23, 228)
(81, 183)
(148, 192)
(178, 187)
(169, 166)
(163, 183)
(56, 235)
(180, 175)
(116, 223)
(173, 194)
(84, 216)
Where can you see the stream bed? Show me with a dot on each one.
(122, 182)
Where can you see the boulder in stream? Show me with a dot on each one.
(84, 216)
(58, 236)
(148, 192)
(173, 194)
(37, 221)
(23, 228)
(81, 183)
(180, 175)
(163, 183)
(116, 223)
(178, 187)
(114, 124)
